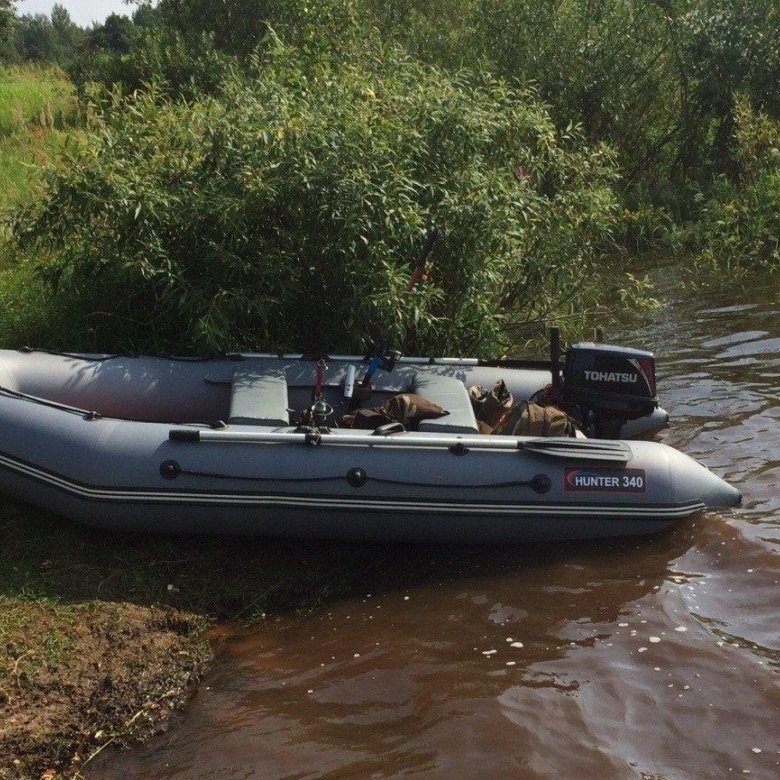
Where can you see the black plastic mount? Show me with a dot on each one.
(183, 435)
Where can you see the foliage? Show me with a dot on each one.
(6, 17)
(43, 39)
(438, 31)
(241, 25)
(155, 54)
(734, 46)
(606, 64)
(38, 118)
(114, 35)
(33, 96)
(23, 157)
(285, 212)
(185, 46)
(37, 107)
(646, 228)
(650, 87)
(739, 224)
(740, 227)
(757, 141)
(727, 47)
(654, 79)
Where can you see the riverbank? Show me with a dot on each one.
(104, 636)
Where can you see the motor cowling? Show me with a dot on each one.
(610, 384)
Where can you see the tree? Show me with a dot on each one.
(6, 17)
(37, 40)
(115, 35)
(240, 25)
(67, 33)
(729, 47)
(237, 27)
(8, 49)
(145, 15)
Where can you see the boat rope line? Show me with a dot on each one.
(357, 477)
(560, 511)
(92, 415)
(511, 363)
(94, 358)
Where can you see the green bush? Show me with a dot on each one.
(740, 227)
(653, 79)
(241, 25)
(739, 223)
(187, 47)
(284, 213)
(157, 54)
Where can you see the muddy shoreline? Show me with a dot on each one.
(104, 636)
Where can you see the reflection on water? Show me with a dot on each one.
(649, 658)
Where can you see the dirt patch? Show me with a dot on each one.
(77, 678)
(103, 635)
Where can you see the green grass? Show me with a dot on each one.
(38, 119)
(23, 158)
(38, 116)
(35, 96)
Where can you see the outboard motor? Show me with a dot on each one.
(609, 385)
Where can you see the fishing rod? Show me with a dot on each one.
(418, 273)
(381, 358)
(319, 382)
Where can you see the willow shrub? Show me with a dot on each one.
(654, 79)
(286, 213)
(739, 222)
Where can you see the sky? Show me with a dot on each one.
(83, 12)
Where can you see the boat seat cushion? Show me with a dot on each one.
(259, 398)
(450, 394)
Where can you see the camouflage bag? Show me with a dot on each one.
(409, 409)
(491, 408)
(530, 419)
(365, 419)
(406, 408)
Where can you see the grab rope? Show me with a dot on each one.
(357, 477)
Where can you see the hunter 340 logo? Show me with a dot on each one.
(605, 480)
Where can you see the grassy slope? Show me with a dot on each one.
(38, 118)
(37, 106)
(33, 95)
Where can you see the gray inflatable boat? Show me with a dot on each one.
(212, 446)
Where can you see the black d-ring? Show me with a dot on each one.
(541, 483)
(169, 469)
(357, 477)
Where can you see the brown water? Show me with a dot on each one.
(652, 658)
